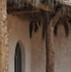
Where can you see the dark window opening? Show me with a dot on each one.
(18, 60)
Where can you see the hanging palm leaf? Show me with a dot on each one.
(36, 27)
(30, 29)
(66, 28)
(65, 25)
(55, 29)
(69, 20)
(44, 29)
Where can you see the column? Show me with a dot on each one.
(3, 37)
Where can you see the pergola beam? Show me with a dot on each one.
(66, 3)
(37, 5)
(24, 12)
(40, 5)
(50, 42)
(46, 7)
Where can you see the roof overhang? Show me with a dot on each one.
(14, 8)
(65, 2)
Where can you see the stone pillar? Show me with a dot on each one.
(3, 37)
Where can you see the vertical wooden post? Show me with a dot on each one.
(3, 37)
(50, 40)
(49, 46)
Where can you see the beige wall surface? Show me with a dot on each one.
(38, 53)
(34, 52)
(35, 58)
(18, 31)
(62, 49)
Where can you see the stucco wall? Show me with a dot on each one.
(38, 52)
(34, 48)
(62, 49)
(18, 31)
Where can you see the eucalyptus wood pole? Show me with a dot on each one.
(50, 40)
(49, 46)
(3, 37)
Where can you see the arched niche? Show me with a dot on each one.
(19, 58)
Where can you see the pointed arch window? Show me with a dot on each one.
(18, 59)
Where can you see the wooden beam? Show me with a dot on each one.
(66, 4)
(24, 12)
(50, 40)
(56, 18)
(43, 6)
(40, 6)
(68, 15)
(46, 7)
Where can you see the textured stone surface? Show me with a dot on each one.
(3, 38)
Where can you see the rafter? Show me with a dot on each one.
(24, 12)
(46, 7)
(66, 4)
(41, 6)
(30, 5)
(67, 15)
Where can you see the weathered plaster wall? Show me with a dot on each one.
(38, 52)
(62, 49)
(34, 48)
(18, 31)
